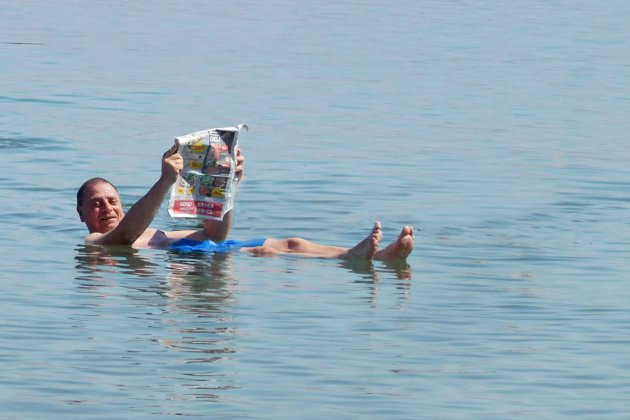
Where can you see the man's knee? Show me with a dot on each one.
(295, 244)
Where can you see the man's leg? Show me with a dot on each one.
(365, 249)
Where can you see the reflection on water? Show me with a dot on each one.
(201, 283)
(181, 314)
(371, 277)
(177, 286)
(177, 277)
(93, 261)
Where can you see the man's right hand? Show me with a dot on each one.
(172, 164)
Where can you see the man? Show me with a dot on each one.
(100, 208)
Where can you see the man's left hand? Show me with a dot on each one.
(240, 163)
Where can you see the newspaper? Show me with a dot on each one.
(206, 187)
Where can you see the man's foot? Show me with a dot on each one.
(400, 248)
(366, 249)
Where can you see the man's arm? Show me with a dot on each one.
(142, 213)
(218, 230)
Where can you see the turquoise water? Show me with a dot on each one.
(498, 129)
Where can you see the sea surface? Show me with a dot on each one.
(500, 130)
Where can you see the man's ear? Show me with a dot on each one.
(80, 215)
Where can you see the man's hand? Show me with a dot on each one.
(240, 163)
(172, 164)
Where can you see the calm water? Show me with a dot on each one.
(498, 129)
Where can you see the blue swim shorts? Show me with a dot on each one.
(224, 247)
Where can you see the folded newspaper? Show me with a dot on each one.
(206, 187)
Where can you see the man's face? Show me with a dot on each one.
(101, 209)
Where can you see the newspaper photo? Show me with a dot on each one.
(206, 187)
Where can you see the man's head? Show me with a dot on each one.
(99, 205)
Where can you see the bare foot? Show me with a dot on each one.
(400, 248)
(366, 249)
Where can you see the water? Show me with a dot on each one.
(497, 129)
